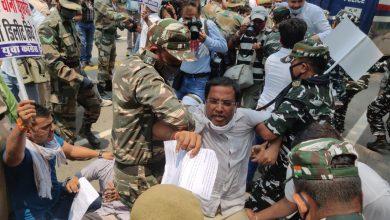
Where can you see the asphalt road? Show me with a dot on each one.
(356, 127)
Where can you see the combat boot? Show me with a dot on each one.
(86, 132)
(379, 144)
(103, 93)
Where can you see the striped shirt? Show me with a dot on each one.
(246, 52)
(87, 11)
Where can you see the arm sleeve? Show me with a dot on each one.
(110, 13)
(215, 41)
(53, 57)
(289, 187)
(153, 92)
(283, 118)
(322, 24)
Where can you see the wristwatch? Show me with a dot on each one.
(100, 154)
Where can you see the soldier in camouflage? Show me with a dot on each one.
(141, 100)
(375, 113)
(306, 100)
(61, 52)
(107, 20)
(319, 168)
(345, 87)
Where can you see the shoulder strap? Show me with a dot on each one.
(277, 98)
(206, 28)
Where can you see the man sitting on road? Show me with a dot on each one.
(31, 152)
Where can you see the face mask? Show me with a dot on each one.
(67, 14)
(168, 72)
(292, 71)
(296, 11)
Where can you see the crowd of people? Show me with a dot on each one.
(243, 78)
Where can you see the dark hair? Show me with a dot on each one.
(224, 81)
(191, 4)
(316, 130)
(292, 31)
(323, 192)
(244, 9)
(317, 64)
(41, 111)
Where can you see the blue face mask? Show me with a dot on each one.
(296, 11)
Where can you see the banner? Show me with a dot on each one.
(18, 35)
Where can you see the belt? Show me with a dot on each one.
(132, 170)
(195, 75)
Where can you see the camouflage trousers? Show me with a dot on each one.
(130, 185)
(269, 188)
(105, 42)
(351, 89)
(251, 95)
(376, 111)
(65, 112)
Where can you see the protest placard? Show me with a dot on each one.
(18, 35)
(352, 49)
(153, 5)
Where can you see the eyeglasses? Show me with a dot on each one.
(225, 103)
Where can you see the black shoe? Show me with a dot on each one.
(379, 144)
(92, 139)
(103, 93)
(108, 86)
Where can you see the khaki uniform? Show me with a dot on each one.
(61, 48)
(4, 131)
(140, 98)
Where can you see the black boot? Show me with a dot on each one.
(103, 93)
(92, 139)
(108, 86)
(379, 144)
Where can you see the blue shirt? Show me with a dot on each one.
(22, 190)
(214, 42)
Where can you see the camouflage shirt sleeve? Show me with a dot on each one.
(152, 91)
(286, 116)
(53, 58)
(108, 11)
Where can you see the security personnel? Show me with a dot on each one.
(306, 100)
(141, 99)
(107, 20)
(61, 52)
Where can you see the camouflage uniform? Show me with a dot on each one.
(375, 113)
(305, 101)
(107, 20)
(228, 22)
(140, 98)
(311, 161)
(61, 49)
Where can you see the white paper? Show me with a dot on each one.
(352, 49)
(153, 5)
(84, 198)
(194, 174)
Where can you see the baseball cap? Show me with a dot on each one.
(307, 49)
(259, 12)
(166, 202)
(71, 4)
(280, 14)
(235, 3)
(312, 159)
(174, 37)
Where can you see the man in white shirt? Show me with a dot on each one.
(229, 131)
(313, 15)
(277, 73)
